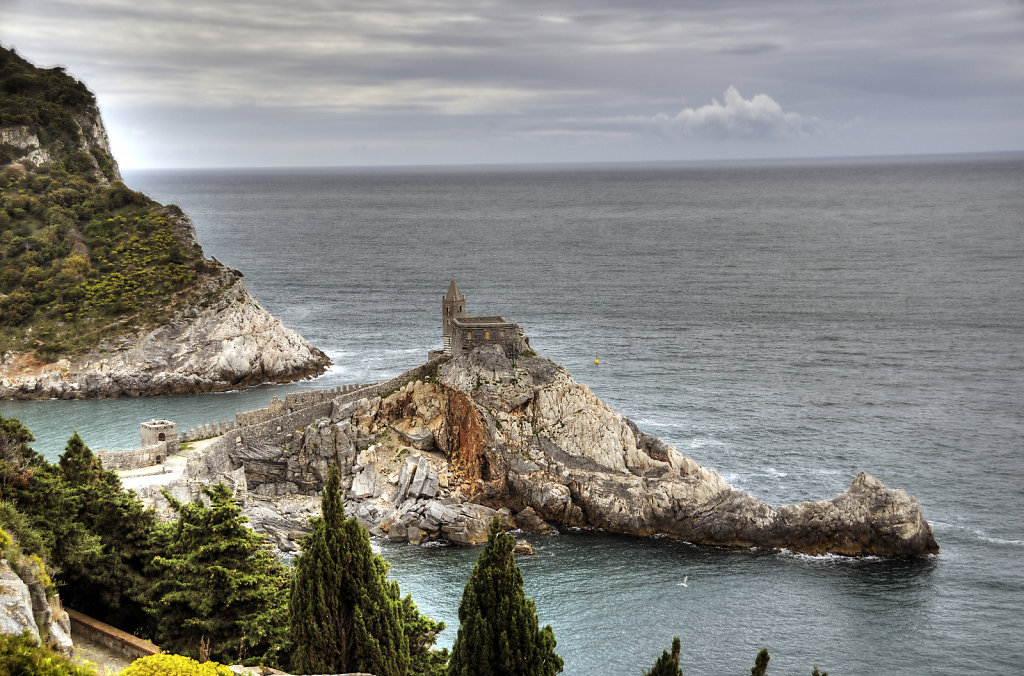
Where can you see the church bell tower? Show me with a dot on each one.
(453, 305)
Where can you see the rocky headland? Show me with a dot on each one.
(103, 291)
(442, 450)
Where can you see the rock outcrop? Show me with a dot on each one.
(440, 456)
(233, 343)
(24, 607)
(92, 136)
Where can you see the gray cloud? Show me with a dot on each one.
(448, 73)
(753, 48)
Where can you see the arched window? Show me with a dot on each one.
(162, 437)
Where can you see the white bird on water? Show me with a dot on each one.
(683, 583)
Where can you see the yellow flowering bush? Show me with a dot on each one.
(173, 665)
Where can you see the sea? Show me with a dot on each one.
(787, 323)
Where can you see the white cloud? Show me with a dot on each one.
(759, 117)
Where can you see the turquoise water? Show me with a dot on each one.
(786, 324)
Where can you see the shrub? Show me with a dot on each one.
(20, 656)
(173, 665)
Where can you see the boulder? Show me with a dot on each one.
(523, 547)
(528, 521)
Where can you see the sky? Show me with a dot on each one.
(264, 83)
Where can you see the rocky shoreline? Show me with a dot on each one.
(481, 435)
(232, 343)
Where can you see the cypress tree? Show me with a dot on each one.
(499, 634)
(345, 614)
(760, 667)
(667, 665)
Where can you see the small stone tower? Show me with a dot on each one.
(157, 432)
(453, 305)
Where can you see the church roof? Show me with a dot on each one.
(453, 292)
(482, 322)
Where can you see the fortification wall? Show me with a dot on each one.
(134, 458)
(214, 429)
(268, 425)
(390, 385)
(292, 403)
(302, 409)
(274, 428)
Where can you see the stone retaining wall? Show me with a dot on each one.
(121, 642)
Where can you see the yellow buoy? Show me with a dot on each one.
(596, 361)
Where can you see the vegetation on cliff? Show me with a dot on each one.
(47, 101)
(83, 258)
(499, 634)
(81, 262)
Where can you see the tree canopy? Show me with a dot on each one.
(667, 664)
(219, 581)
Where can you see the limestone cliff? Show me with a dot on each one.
(526, 435)
(103, 291)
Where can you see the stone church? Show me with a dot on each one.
(462, 332)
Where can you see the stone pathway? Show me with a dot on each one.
(101, 658)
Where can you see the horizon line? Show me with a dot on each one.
(808, 159)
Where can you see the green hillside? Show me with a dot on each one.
(82, 257)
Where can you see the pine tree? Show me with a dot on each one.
(221, 581)
(499, 634)
(78, 463)
(345, 614)
(760, 667)
(667, 665)
(16, 456)
(115, 590)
